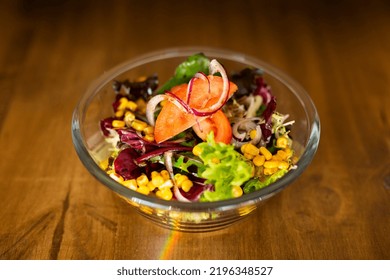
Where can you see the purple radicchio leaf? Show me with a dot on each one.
(125, 165)
(197, 189)
(270, 102)
(245, 81)
(134, 140)
(106, 125)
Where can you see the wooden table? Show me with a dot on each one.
(50, 50)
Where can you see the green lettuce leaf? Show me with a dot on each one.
(185, 163)
(223, 167)
(186, 70)
(256, 184)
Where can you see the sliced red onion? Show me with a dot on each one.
(216, 67)
(151, 107)
(153, 102)
(178, 194)
(168, 164)
(259, 134)
(236, 133)
(254, 105)
(204, 77)
(199, 75)
(179, 102)
(161, 151)
(189, 90)
(247, 124)
(186, 108)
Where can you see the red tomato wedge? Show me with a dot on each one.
(204, 93)
(219, 124)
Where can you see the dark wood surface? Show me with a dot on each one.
(52, 208)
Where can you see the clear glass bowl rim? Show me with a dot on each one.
(225, 205)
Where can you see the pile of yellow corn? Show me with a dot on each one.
(160, 183)
(126, 114)
(262, 157)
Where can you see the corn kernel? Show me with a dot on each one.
(269, 171)
(157, 180)
(154, 174)
(141, 105)
(187, 185)
(129, 118)
(162, 103)
(139, 125)
(165, 194)
(151, 186)
(131, 184)
(180, 179)
(282, 142)
(104, 164)
(215, 160)
(148, 130)
(197, 150)
(282, 154)
(118, 124)
(237, 191)
(119, 113)
(142, 180)
(250, 149)
(131, 105)
(252, 134)
(144, 190)
(149, 138)
(276, 157)
(264, 151)
(165, 174)
(289, 152)
(248, 156)
(122, 104)
(271, 164)
(259, 160)
(283, 165)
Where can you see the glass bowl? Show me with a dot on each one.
(95, 105)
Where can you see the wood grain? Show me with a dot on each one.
(52, 208)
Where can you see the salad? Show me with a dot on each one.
(204, 135)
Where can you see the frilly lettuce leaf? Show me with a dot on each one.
(256, 184)
(223, 167)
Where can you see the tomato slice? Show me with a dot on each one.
(172, 120)
(219, 124)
